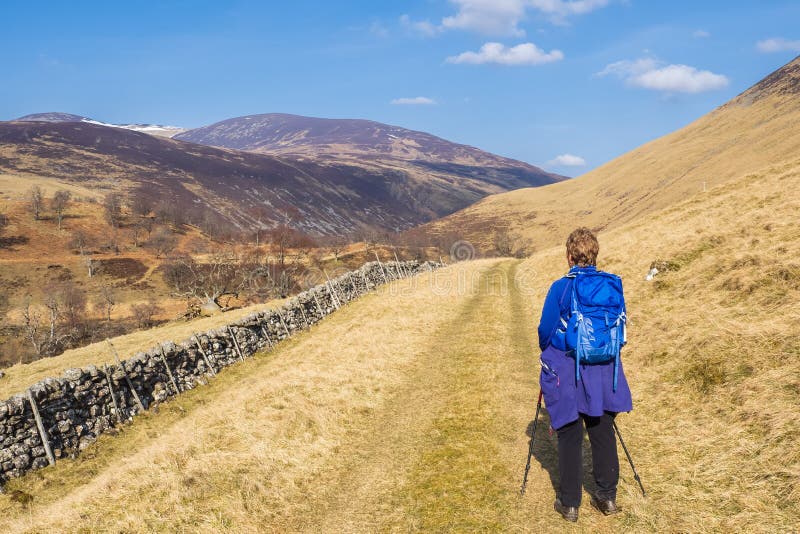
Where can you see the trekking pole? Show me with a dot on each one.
(530, 446)
(630, 461)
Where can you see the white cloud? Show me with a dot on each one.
(490, 17)
(567, 160)
(701, 34)
(522, 54)
(680, 79)
(415, 101)
(559, 10)
(649, 73)
(422, 27)
(627, 68)
(503, 17)
(778, 44)
(378, 29)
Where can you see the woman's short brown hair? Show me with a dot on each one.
(582, 247)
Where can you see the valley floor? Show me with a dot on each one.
(408, 410)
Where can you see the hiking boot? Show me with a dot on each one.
(570, 513)
(606, 507)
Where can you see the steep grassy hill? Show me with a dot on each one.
(408, 409)
(757, 128)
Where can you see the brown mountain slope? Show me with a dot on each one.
(757, 128)
(326, 197)
(363, 142)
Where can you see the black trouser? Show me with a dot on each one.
(605, 462)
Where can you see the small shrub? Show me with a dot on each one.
(746, 261)
(704, 375)
(789, 274)
(665, 265)
(143, 313)
(662, 285)
(733, 283)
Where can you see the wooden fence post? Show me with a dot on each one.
(235, 343)
(169, 371)
(319, 308)
(266, 335)
(354, 284)
(332, 290)
(127, 378)
(113, 395)
(204, 355)
(42, 431)
(383, 272)
(303, 313)
(285, 329)
(366, 280)
(402, 268)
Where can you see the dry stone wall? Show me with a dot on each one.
(59, 417)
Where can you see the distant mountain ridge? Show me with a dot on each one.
(296, 134)
(461, 174)
(55, 116)
(325, 194)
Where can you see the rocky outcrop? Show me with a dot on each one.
(59, 417)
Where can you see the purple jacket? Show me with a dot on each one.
(563, 396)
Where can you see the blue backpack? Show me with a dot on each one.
(595, 330)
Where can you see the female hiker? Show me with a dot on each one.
(580, 333)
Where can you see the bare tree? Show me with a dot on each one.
(112, 209)
(162, 241)
(53, 306)
(137, 232)
(170, 212)
(32, 327)
(59, 322)
(59, 203)
(35, 201)
(143, 226)
(503, 244)
(3, 223)
(221, 274)
(73, 307)
(338, 244)
(285, 238)
(141, 204)
(261, 214)
(143, 313)
(107, 299)
(81, 243)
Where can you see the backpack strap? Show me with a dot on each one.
(576, 352)
(560, 302)
(621, 323)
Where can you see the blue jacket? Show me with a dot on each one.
(565, 397)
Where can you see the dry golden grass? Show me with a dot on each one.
(714, 358)
(407, 410)
(16, 186)
(741, 137)
(257, 438)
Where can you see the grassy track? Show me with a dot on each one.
(446, 452)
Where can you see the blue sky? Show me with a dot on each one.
(586, 80)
